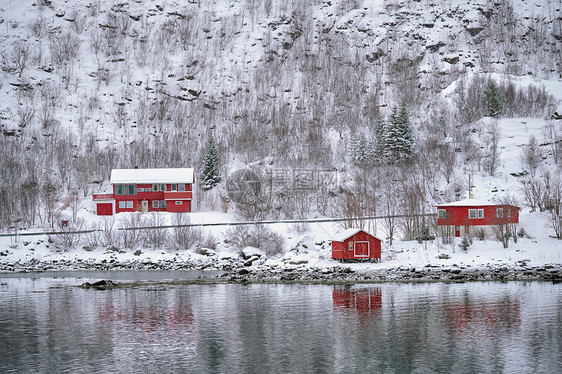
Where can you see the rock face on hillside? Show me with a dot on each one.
(90, 85)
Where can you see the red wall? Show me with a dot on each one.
(155, 195)
(458, 215)
(340, 249)
(104, 209)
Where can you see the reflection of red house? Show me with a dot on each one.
(166, 190)
(362, 300)
(472, 212)
(490, 316)
(356, 245)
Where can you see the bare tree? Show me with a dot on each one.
(492, 151)
(555, 198)
(531, 156)
(17, 59)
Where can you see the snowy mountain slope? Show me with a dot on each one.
(87, 86)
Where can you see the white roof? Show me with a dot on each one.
(341, 236)
(170, 175)
(470, 202)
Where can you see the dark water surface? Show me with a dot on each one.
(48, 325)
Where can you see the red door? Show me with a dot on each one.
(457, 231)
(104, 209)
(361, 249)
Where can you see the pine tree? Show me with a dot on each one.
(210, 176)
(399, 139)
(492, 100)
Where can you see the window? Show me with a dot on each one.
(350, 246)
(129, 205)
(178, 202)
(174, 187)
(162, 203)
(508, 212)
(181, 187)
(154, 187)
(140, 189)
(480, 213)
(442, 213)
(121, 205)
(472, 213)
(148, 189)
(155, 204)
(120, 189)
(162, 187)
(499, 212)
(131, 189)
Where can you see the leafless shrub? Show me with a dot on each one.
(534, 191)
(185, 236)
(17, 59)
(68, 233)
(552, 134)
(257, 236)
(64, 48)
(93, 239)
(109, 232)
(130, 235)
(156, 237)
(37, 26)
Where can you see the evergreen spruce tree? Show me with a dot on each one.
(210, 176)
(358, 151)
(399, 139)
(492, 100)
(377, 146)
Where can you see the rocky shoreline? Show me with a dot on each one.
(239, 272)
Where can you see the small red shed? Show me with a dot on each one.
(356, 245)
(473, 212)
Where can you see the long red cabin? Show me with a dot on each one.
(472, 212)
(355, 245)
(147, 190)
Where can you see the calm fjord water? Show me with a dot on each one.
(49, 325)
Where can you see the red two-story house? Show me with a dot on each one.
(146, 190)
(472, 212)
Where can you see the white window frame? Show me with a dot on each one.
(162, 203)
(442, 213)
(174, 187)
(499, 212)
(122, 204)
(129, 204)
(155, 204)
(472, 214)
(179, 202)
(140, 189)
(155, 187)
(480, 213)
(181, 187)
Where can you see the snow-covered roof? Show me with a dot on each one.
(470, 202)
(341, 236)
(169, 175)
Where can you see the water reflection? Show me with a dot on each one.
(364, 301)
(48, 325)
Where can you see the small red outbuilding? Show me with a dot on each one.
(356, 245)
